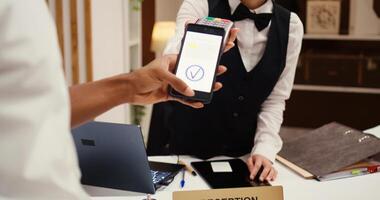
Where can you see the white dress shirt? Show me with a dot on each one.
(38, 158)
(252, 44)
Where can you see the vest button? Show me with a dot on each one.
(235, 114)
(241, 98)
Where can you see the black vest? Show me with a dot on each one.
(227, 125)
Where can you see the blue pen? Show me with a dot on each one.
(182, 183)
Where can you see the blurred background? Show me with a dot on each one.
(338, 74)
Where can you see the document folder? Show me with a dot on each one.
(328, 149)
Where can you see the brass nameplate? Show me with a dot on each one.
(251, 193)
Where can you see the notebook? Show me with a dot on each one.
(327, 150)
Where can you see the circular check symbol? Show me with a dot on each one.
(195, 73)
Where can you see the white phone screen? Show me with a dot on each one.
(198, 60)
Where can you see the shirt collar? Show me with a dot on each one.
(267, 7)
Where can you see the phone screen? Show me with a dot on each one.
(198, 60)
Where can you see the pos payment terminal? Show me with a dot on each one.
(201, 49)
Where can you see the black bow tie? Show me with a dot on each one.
(261, 20)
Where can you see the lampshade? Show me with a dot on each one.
(162, 32)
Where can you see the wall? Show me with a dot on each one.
(166, 10)
(363, 20)
(108, 48)
(72, 19)
(104, 26)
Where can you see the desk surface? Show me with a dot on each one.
(295, 187)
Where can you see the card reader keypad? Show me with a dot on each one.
(217, 22)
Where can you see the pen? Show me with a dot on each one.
(188, 168)
(366, 170)
(182, 183)
(373, 169)
(357, 172)
(351, 173)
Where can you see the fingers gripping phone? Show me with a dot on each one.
(201, 49)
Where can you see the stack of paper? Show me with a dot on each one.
(374, 131)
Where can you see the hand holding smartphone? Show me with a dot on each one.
(201, 49)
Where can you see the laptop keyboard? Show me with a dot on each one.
(158, 176)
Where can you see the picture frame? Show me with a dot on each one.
(323, 16)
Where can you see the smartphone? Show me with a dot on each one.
(201, 49)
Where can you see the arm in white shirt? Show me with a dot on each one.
(267, 141)
(38, 158)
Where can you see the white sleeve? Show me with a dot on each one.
(38, 158)
(267, 141)
(190, 11)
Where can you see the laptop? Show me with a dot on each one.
(113, 156)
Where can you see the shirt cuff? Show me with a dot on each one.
(266, 150)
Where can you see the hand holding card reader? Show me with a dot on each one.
(201, 49)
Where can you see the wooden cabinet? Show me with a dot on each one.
(332, 69)
(314, 108)
(338, 79)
